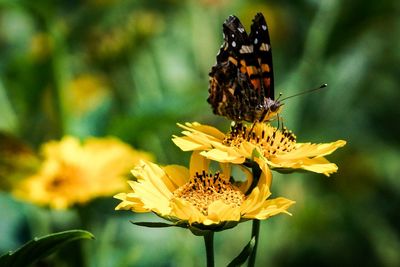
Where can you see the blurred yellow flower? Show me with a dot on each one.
(86, 92)
(277, 148)
(74, 173)
(198, 197)
(41, 46)
(116, 41)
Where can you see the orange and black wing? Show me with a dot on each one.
(229, 84)
(241, 81)
(259, 37)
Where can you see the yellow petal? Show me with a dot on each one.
(218, 212)
(226, 170)
(152, 199)
(249, 179)
(151, 187)
(152, 175)
(258, 195)
(246, 149)
(326, 169)
(130, 202)
(209, 130)
(318, 165)
(270, 208)
(308, 150)
(188, 144)
(265, 171)
(198, 163)
(186, 211)
(223, 156)
(177, 174)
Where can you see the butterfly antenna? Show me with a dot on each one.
(304, 92)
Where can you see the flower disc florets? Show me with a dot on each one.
(275, 147)
(206, 188)
(270, 140)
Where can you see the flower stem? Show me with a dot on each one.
(209, 242)
(255, 232)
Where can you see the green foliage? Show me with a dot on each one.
(39, 248)
(133, 69)
(243, 255)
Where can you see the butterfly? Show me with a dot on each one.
(241, 85)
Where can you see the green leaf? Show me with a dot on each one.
(157, 224)
(201, 229)
(41, 247)
(244, 254)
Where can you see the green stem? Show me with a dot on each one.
(209, 242)
(255, 169)
(77, 256)
(60, 69)
(255, 232)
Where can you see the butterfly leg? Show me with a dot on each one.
(278, 118)
(251, 129)
(281, 124)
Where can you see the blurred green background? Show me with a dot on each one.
(133, 69)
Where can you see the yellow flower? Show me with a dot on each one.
(199, 198)
(86, 93)
(74, 173)
(277, 148)
(41, 46)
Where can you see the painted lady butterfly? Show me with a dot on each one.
(242, 80)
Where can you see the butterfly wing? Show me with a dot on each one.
(241, 82)
(259, 37)
(229, 87)
(235, 37)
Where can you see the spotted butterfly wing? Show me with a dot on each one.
(259, 36)
(229, 88)
(241, 82)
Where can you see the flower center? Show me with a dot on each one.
(206, 188)
(63, 178)
(270, 140)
